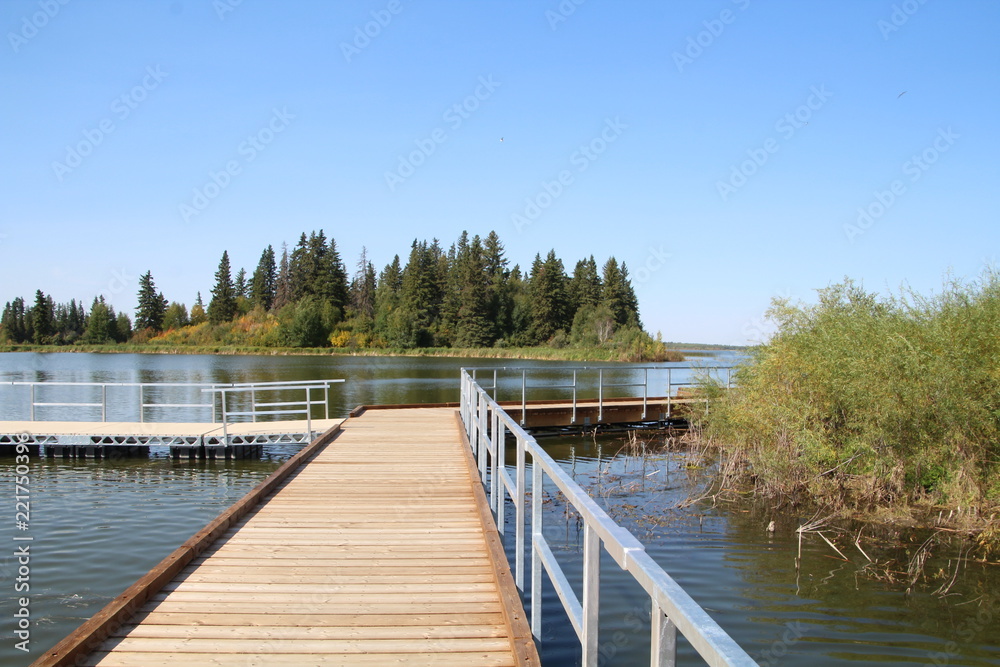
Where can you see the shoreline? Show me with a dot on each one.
(537, 354)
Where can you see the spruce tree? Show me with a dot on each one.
(547, 290)
(283, 283)
(473, 328)
(362, 290)
(617, 294)
(42, 316)
(101, 328)
(240, 286)
(222, 307)
(264, 281)
(152, 306)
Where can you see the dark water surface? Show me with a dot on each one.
(96, 527)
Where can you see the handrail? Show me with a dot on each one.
(670, 385)
(300, 407)
(673, 610)
(91, 402)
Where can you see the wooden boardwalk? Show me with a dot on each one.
(380, 550)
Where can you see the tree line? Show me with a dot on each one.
(466, 296)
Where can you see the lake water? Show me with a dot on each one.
(96, 527)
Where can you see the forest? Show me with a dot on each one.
(468, 296)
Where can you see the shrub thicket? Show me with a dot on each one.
(866, 401)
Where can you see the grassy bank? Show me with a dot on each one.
(873, 406)
(545, 353)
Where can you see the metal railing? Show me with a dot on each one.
(583, 373)
(257, 409)
(214, 411)
(673, 610)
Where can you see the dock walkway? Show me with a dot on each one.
(380, 549)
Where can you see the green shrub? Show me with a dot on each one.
(865, 400)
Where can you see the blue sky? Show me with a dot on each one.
(722, 149)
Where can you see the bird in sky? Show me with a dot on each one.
(900, 95)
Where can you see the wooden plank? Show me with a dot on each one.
(265, 618)
(309, 646)
(125, 659)
(148, 630)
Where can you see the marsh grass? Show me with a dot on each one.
(871, 405)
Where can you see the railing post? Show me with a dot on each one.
(591, 595)
(536, 559)
(253, 405)
(495, 485)
(481, 437)
(573, 420)
(225, 420)
(500, 435)
(104, 402)
(326, 400)
(309, 412)
(645, 386)
(600, 395)
(670, 392)
(494, 384)
(524, 403)
(663, 641)
(142, 403)
(32, 387)
(519, 517)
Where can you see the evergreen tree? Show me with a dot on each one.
(283, 283)
(617, 294)
(222, 307)
(264, 281)
(585, 285)
(41, 319)
(101, 325)
(547, 290)
(421, 291)
(474, 328)
(240, 286)
(331, 278)
(499, 302)
(387, 295)
(152, 306)
(362, 290)
(13, 321)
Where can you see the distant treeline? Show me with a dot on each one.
(467, 296)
